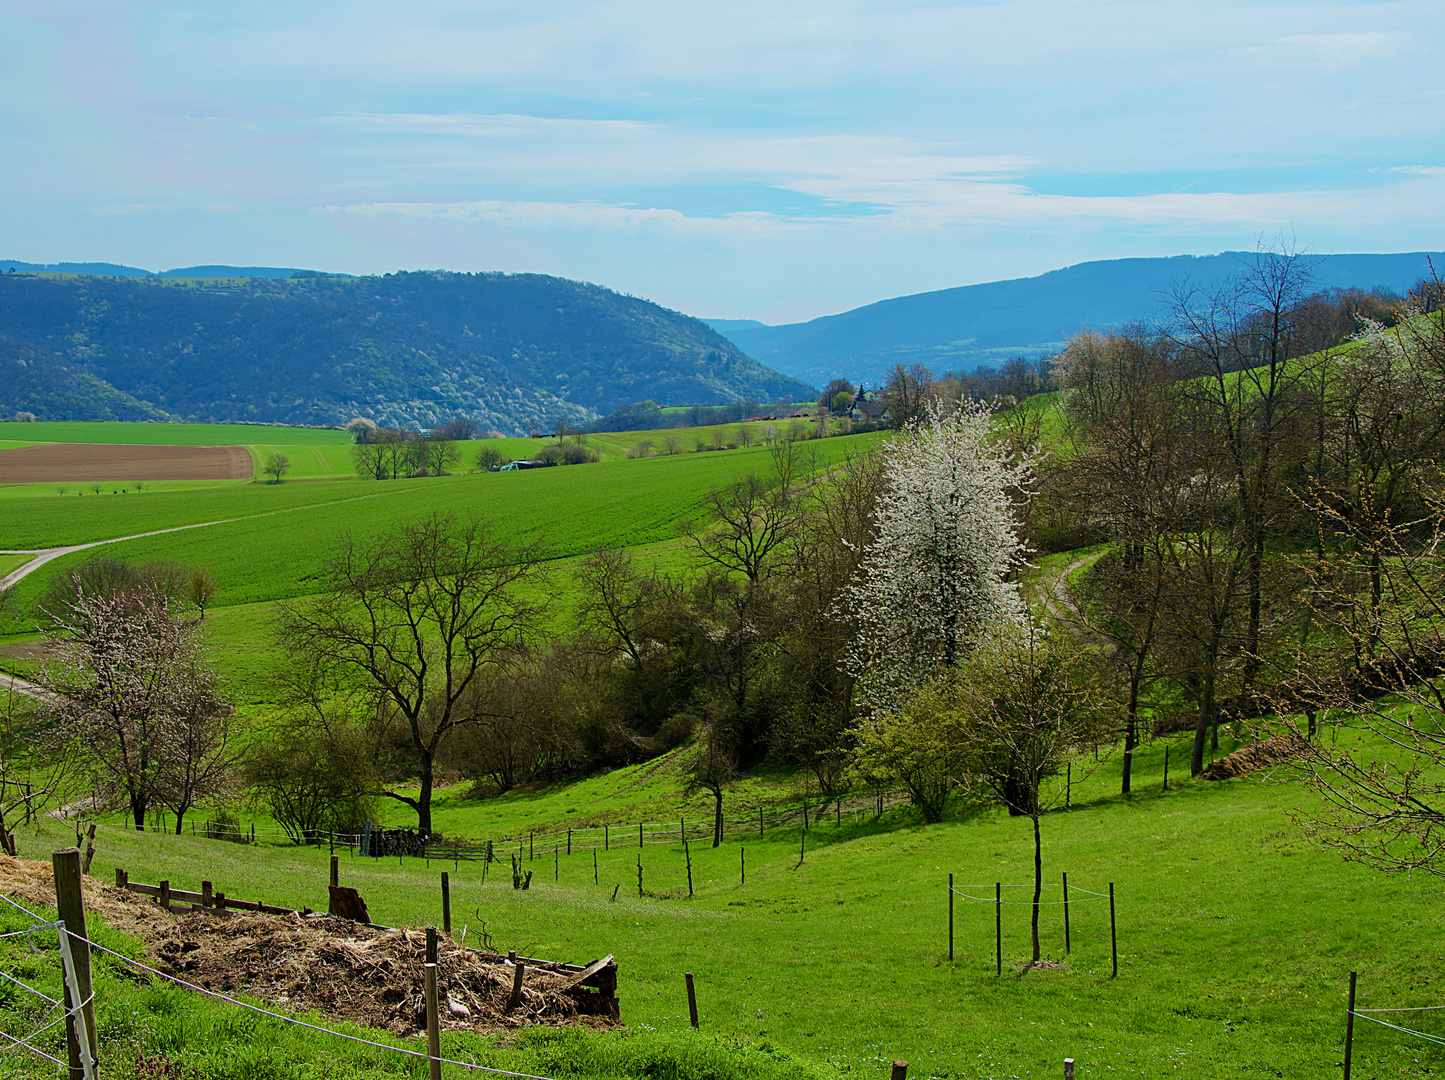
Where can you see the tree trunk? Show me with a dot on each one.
(1207, 709)
(1131, 731)
(423, 799)
(1038, 880)
(1254, 583)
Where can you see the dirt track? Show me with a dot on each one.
(100, 462)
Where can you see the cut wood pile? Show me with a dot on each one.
(1279, 749)
(339, 968)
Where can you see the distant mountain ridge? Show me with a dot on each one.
(514, 352)
(103, 269)
(961, 328)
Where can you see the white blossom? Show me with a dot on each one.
(935, 581)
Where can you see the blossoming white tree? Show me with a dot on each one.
(128, 674)
(935, 580)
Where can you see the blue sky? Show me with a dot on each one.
(768, 160)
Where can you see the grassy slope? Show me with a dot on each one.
(1236, 936)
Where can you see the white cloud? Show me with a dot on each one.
(940, 202)
(1329, 52)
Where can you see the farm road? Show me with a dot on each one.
(45, 555)
(29, 689)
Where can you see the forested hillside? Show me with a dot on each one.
(963, 328)
(512, 352)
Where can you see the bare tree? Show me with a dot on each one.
(201, 588)
(747, 523)
(1243, 340)
(410, 621)
(906, 394)
(200, 758)
(42, 765)
(713, 769)
(129, 673)
(1387, 800)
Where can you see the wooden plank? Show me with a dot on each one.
(586, 973)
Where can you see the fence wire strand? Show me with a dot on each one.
(1438, 1040)
(301, 1023)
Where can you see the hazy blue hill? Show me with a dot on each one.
(727, 326)
(513, 352)
(100, 269)
(977, 324)
(272, 272)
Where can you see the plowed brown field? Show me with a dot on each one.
(86, 462)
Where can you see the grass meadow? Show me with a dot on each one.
(272, 539)
(1236, 936)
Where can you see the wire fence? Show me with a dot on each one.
(49, 1021)
(12, 1044)
(378, 841)
(1089, 895)
(1373, 1016)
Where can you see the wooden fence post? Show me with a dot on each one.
(165, 897)
(687, 854)
(742, 865)
(594, 866)
(639, 834)
(207, 900)
(1350, 1026)
(1113, 939)
(998, 925)
(556, 862)
(1166, 767)
(1068, 784)
(1066, 911)
(1068, 1069)
(70, 903)
(446, 903)
(569, 841)
(121, 878)
(639, 877)
(760, 821)
(606, 838)
(431, 944)
(950, 916)
(518, 974)
(433, 1024)
(691, 999)
(333, 883)
(900, 1070)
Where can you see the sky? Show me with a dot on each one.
(770, 160)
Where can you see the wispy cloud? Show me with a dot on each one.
(1329, 52)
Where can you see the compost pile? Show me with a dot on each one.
(342, 969)
(1277, 750)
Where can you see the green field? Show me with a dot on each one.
(168, 434)
(272, 540)
(1236, 935)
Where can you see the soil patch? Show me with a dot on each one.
(1277, 750)
(339, 968)
(102, 463)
